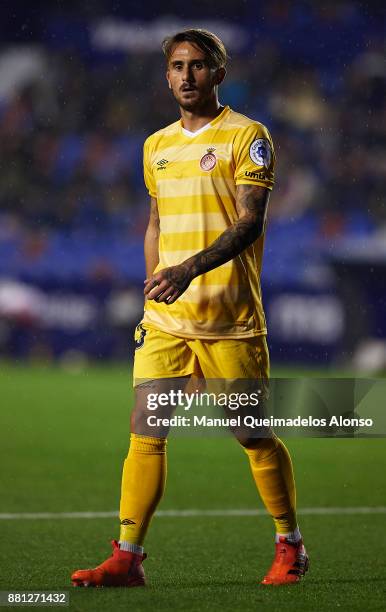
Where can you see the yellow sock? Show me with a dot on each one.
(143, 483)
(272, 471)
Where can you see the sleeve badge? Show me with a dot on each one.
(260, 152)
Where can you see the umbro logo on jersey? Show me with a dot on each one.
(162, 164)
(256, 175)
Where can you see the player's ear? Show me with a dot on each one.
(219, 75)
(168, 79)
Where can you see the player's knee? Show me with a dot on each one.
(249, 442)
(145, 423)
(263, 445)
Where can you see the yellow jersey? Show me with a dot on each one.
(193, 176)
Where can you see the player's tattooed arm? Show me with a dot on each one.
(251, 203)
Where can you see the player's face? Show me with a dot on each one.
(190, 78)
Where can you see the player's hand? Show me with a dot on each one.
(168, 284)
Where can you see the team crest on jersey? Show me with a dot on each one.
(260, 152)
(209, 160)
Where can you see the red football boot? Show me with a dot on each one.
(121, 569)
(289, 565)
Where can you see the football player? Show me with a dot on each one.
(209, 176)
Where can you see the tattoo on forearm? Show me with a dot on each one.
(251, 202)
(227, 246)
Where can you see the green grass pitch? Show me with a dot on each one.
(63, 438)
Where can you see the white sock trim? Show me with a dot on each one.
(293, 536)
(128, 547)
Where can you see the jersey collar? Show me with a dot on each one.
(205, 127)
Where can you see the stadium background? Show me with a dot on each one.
(81, 86)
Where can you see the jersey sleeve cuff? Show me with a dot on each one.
(252, 182)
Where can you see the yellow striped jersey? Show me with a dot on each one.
(193, 176)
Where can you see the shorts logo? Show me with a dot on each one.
(260, 152)
(162, 164)
(208, 161)
(139, 336)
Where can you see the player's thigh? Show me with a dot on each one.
(240, 370)
(155, 403)
(162, 365)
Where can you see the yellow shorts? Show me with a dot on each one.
(161, 355)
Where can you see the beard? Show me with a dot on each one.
(195, 103)
(188, 105)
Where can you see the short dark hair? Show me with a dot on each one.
(209, 43)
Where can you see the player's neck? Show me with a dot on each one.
(194, 120)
